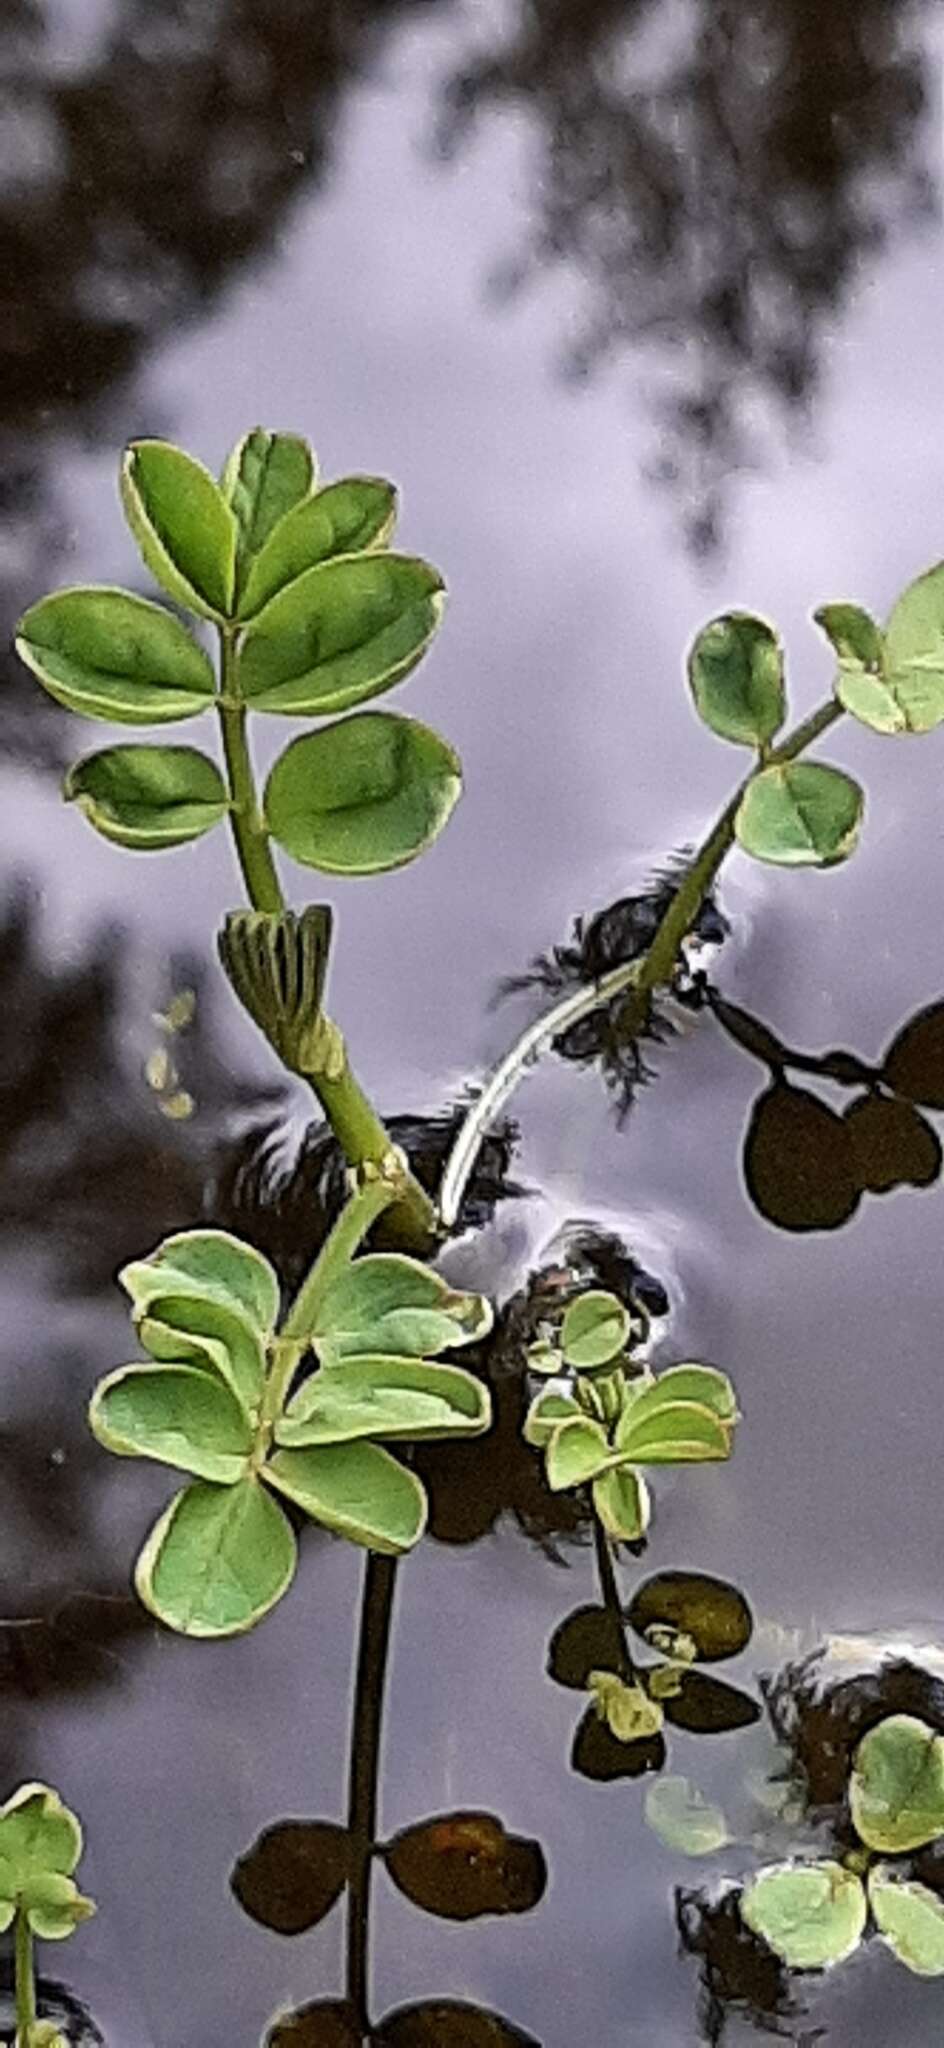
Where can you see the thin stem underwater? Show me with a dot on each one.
(379, 1587)
(25, 1978)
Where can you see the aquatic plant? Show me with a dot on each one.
(40, 1847)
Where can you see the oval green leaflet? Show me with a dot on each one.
(345, 518)
(388, 1302)
(896, 1791)
(184, 527)
(910, 1918)
(176, 1415)
(810, 1914)
(800, 814)
(148, 798)
(111, 656)
(264, 477)
(358, 1490)
(40, 1847)
(222, 1267)
(385, 1397)
(595, 1329)
(735, 669)
(217, 1560)
(362, 796)
(342, 631)
(622, 1502)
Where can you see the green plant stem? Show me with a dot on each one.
(360, 1211)
(650, 971)
(360, 1132)
(379, 1585)
(610, 1593)
(25, 1980)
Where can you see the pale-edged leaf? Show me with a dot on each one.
(896, 1792)
(910, 1918)
(218, 1265)
(578, 1449)
(264, 477)
(388, 1302)
(148, 797)
(677, 1433)
(735, 669)
(53, 1905)
(546, 1413)
(190, 1328)
(345, 518)
(914, 653)
(595, 1329)
(217, 1560)
(183, 525)
(703, 1384)
(175, 1415)
(621, 1500)
(356, 1489)
(384, 1396)
(800, 814)
(38, 1834)
(364, 795)
(683, 1818)
(810, 1914)
(342, 631)
(112, 656)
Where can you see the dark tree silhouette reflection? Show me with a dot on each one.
(717, 173)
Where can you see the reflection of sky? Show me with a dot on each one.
(558, 676)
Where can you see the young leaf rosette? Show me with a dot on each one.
(604, 1433)
(217, 1399)
(40, 1847)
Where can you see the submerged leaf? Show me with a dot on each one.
(443, 2023)
(599, 1755)
(589, 1640)
(625, 1706)
(800, 814)
(810, 1914)
(798, 1161)
(910, 1918)
(896, 1792)
(217, 1560)
(324, 2023)
(914, 1062)
(290, 1878)
(463, 1865)
(892, 1144)
(683, 1818)
(363, 795)
(713, 1614)
(703, 1705)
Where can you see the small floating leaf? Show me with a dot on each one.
(896, 1792)
(595, 1329)
(892, 1144)
(810, 1914)
(463, 1865)
(385, 1397)
(174, 1415)
(712, 1613)
(735, 669)
(914, 1062)
(599, 1755)
(148, 797)
(364, 795)
(290, 1878)
(343, 519)
(683, 1818)
(800, 815)
(589, 1640)
(358, 1490)
(387, 1302)
(183, 525)
(109, 655)
(343, 631)
(217, 1560)
(621, 1500)
(910, 1918)
(798, 1161)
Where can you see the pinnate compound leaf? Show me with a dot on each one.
(323, 2023)
(577, 1451)
(598, 1754)
(345, 518)
(342, 631)
(914, 1062)
(364, 795)
(265, 475)
(217, 1560)
(713, 1615)
(148, 797)
(463, 1865)
(546, 1413)
(892, 1144)
(442, 2023)
(175, 1415)
(735, 669)
(387, 1302)
(810, 1914)
(683, 1818)
(910, 1918)
(914, 655)
(290, 1878)
(621, 1500)
(385, 1397)
(675, 1433)
(798, 1161)
(896, 1792)
(109, 655)
(589, 1640)
(216, 1265)
(800, 814)
(183, 525)
(595, 1329)
(358, 1490)
(187, 1328)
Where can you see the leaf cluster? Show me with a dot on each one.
(222, 1399)
(40, 1847)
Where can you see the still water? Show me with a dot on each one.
(641, 306)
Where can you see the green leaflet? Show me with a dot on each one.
(265, 476)
(621, 1500)
(176, 1415)
(183, 525)
(40, 1846)
(363, 795)
(358, 1490)
(547, 1411)
(345, 518)
(387, 1302)
(800, 814)
(576, 1452)
(677, 1433)
(217, 1560)
(683, 1818)
(385, 1397)
(112, 656)
(735, 669)
(595, 1329)
(896, 1792)
(342, 631)
(213, 1263)
(148, 798)
(810, 1914)
(910, 1918)
(192, 1329)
